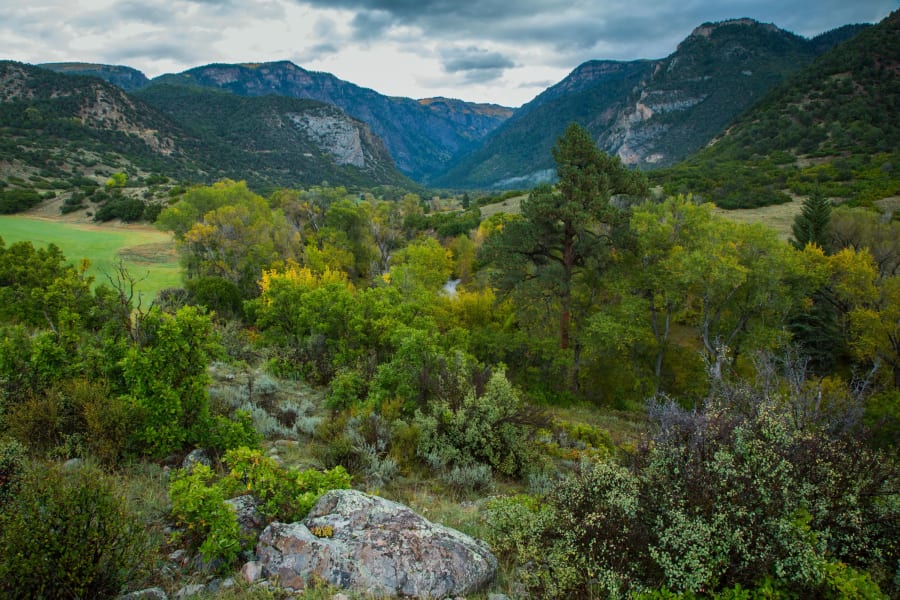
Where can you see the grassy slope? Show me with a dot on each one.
(145, 251)
(779, 217)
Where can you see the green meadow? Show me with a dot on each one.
(149, 255)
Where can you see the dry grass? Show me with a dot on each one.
(779, 217)
(510, 206)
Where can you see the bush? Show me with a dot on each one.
(495, 428)
(12, 467)
(207, 522)
(68, 535)
(732, 495)
(126, 208)
(75, 410)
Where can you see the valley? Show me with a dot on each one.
(266, 333)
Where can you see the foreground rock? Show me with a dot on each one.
(356, 541)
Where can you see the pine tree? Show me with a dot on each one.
(811, 225)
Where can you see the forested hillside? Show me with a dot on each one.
(651, 113)
(832, 127)
(69, 134)
(421, 135)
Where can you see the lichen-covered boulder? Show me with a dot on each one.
(361, 542)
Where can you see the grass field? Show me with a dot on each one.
(148, 254)
(779, 217)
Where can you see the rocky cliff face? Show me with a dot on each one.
(421, 136)
(690, 96)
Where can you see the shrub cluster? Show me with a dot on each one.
(717, 498)
(209, 525)
(68, 535)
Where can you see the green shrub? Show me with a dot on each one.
(68, 535)
(495, 428)
(283, 494)
(227, 433)
(733, 495)
(208, 524)
(12, 467)
(347, 389)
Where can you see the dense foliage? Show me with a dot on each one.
(68, 535)
(752, 486)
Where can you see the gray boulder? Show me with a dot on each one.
(361, 542)
(197, 456)
(148, 594)
(249, 519)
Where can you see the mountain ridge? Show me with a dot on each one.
(59, 124)
(421, 136)
(673, 107)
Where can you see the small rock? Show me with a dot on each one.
(198, 456)
(498, 597)
(148, 594)
(285, 443)
(179, 557)
(201, 565)
(73, 464)
(190, 591)
(216, 585)
(249, 519)
(340, 596)
(252, 571)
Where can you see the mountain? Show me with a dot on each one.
(422, 136)
(518, 154)
(57, 128)
(124, 77)
(275, 140)
(650, 113)
(833, 125)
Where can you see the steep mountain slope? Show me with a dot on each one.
(124, 77)
(832, 125)
(60, 123)
(274, 140)
(650, 113)
(61, 127)
(422, 136)
(518, 154)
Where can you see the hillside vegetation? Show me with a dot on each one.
(63, 133)
(831, 127)
(625, 397)
(652, 113)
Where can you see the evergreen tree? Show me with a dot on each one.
(564, 234)
(811, 225)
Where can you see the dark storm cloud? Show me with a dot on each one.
(371, 24)
(473, 59)
(474, 65)
(618, 28)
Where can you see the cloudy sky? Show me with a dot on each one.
(502, 51)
